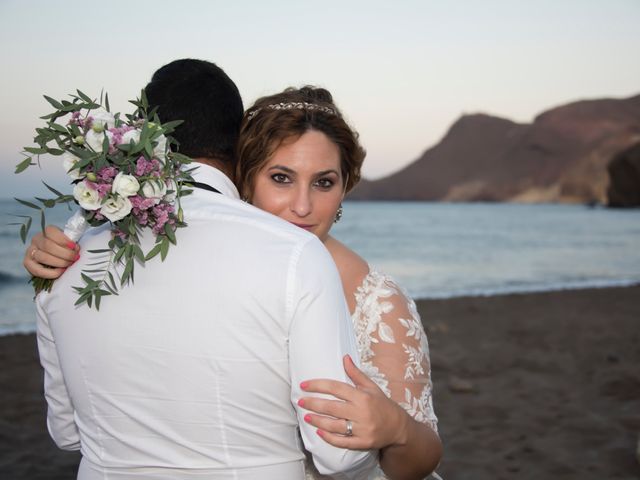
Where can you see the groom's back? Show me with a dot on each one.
(189, 367)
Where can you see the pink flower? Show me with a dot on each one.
(147, 167)
(107, 173)
(141, 216)
(141, 203)
(102, 188)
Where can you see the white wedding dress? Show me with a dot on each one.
(394, 351)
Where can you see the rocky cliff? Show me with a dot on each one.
(561, 157)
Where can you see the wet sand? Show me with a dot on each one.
(527, 386)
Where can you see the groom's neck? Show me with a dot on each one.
(224, 167)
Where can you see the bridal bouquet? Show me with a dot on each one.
(123, 173)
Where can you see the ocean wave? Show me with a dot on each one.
(533, 288)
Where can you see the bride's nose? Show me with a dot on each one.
(301, 203)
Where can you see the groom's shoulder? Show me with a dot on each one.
(246, 220)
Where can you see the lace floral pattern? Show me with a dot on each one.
(379, 319)
(394, 351)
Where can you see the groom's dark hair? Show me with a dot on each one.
(201, 94)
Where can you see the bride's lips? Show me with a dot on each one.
(304, 225)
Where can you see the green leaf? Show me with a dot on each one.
(27, 204)
(83, 298)
(54, 103)
(23, 233)
(36, 151)
(113, 283)
(164, 248)
(100, 250)
(58, 128)
(84, 97)
(154, 251)
(23, 165)
(169, 127)
(148, 148)
(88, 280)
(53, 190)
(47, 202)
(139, 254)
(171, 235)
(43, 223)
(56, 152)
(119, 254)
(128, 270)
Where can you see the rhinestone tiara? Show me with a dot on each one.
(293, 106)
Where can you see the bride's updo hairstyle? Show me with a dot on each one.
(288, 115)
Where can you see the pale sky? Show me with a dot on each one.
(402, 72)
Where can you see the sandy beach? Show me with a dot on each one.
(527, 386)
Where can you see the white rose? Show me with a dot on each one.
(155, 189)
(160, 150)
(88, 198)
(95, 139)
(125, 185)
(170, 197)
(131, 135)
(69, 161)
(116, 208)
(102, 119)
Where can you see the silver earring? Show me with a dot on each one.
(338, 214)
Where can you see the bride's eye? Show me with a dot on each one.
(280, 178)
(325, 183)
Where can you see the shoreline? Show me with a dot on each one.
(27, 329)
(526, 385)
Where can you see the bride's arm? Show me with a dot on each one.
(50, 253)
(402, 427)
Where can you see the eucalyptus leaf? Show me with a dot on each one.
(23, 165)
(54, 103)
(53, 190)
(27, 204)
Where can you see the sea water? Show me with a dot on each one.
(434, 250)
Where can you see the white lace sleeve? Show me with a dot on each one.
(393, 345)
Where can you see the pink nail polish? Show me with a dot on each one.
(307, 418)
(304, 385)
(301, 402)
(77, 257)
(320, 433)
(71, 245)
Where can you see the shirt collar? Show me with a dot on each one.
(215, 178)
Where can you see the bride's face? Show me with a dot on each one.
(302, 183)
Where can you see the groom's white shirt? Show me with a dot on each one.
(194, 371)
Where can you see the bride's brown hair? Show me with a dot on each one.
(289, 114)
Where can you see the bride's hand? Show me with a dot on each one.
(49, 254)
(376, 421)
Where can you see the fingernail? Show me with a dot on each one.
(307, 418)
(349, 358)
(304, 385)
(301, 402)
(320, 433)
(77, 257)
(71, 245)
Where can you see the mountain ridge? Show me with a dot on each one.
(561, 156)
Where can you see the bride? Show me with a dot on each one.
(297, 158)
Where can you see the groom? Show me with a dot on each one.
(194, 372)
